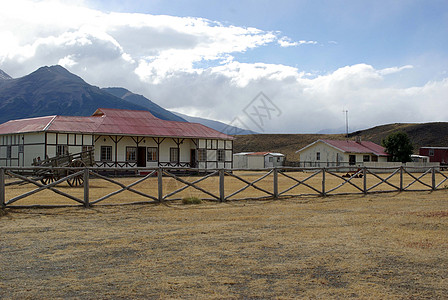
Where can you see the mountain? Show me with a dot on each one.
(140, 100)
(54, 91)
(4, 76)
(219, 126)
(425, 134)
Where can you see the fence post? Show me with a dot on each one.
(222, 197)
(401, 178)
(275, 183)
(433, 178)
(2, 188)
(160, 184)
(364, 176)
(323, 182)
(86, 188)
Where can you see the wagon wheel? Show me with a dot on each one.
(79, 179)
(49, 178)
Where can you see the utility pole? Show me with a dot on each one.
(346, 122)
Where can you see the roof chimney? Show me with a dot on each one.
(358, 139)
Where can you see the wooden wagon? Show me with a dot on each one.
(54, 171)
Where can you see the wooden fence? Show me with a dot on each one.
(156, 184)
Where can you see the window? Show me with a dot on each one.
(152, 154)
(174, 155)
(221, 155)
(317, 155)
(352, 159)
(431, 152)
(8, 151)
(271, 159)
(131, 153)
(61, 150)
(202, 154)
(366, 158)
(279, 159)
(106, 153)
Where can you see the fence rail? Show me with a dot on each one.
(161, 184)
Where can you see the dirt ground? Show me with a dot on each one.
(381, 246)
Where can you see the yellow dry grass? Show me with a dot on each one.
(382, 246)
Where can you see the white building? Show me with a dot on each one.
(120, 138)
(258, 160)
(323, 153)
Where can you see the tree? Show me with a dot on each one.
(398, 146)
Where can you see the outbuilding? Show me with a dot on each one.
(325, 153)
(258, 160)
(435, 154)
(120, 138)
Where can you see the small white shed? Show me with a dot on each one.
(258, 160)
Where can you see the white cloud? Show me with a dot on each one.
(287, 42)
(189, 64)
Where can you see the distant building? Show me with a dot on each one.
(258, 160)
(435, 154)
(120, 138)
(419, 158)
(325, 153)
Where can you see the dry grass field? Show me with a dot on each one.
(379, 246)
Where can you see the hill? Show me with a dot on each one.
(54, 91)
(426, 134)
(219, 126)
(140, 100)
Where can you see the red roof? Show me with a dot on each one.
(353, 146)
(114, 122)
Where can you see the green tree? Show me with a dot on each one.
(398, 146)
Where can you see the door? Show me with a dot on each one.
(141, 157)
(193, 158)
(352, 160)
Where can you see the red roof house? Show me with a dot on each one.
(341, 152)
(120, 138)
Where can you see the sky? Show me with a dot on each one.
(284, 66)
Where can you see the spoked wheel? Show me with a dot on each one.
(49, 179)
(79, 179)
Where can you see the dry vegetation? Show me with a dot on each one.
(378, 246)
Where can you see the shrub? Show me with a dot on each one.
(191, 200)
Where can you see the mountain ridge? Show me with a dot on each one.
(54, 91)
(4, 76)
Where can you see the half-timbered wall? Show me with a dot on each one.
(20, 150)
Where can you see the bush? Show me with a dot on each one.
(191, 200)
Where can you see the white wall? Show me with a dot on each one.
(331, 155)
(327, 154)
